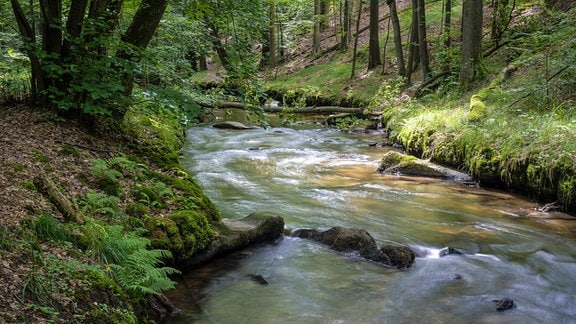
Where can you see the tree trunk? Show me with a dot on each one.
(397, 37)
(272, 35)
(413, 48)
(316, 32)
(37, 84)
(471, 41)
(374, 41)
(447, 22)
(345, 37)
(354, 52)
(422, 41)
(500, 19)
(324, 12)
(139, 33)
(219, 47)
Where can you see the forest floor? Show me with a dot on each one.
(34, 144)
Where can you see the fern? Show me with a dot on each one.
(101, 170)
(100, 204)
(131, 263)
(139, 273)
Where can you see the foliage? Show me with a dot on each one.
(98, 204)
(153, 196)
(46, 227)
(131, 263)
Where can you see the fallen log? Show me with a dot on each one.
(69, 209)
(277, 109)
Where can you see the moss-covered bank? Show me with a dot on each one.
(515, 129)
(141, 216)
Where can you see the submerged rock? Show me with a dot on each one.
(398, 163)
(232, 125)
(449, 251)
(259, 279)
(360, 242)
(503, 304)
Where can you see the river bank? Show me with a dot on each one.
(513, 130)
(94, 222)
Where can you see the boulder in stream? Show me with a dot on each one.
(394, 162)
(236, 234)
(232, 125)
(360, 242)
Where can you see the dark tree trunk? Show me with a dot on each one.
(324, 12)
(139, 33)
(29, 37)
(397, 37)
(422, 41)
(316, 32)
(345, 37)
(413, 58)
(54, 81)
(354, 52)
(374, 41)
(501, 17)
(447, 22)
(203, 64)
(272, 35)
(219, 47)
(471, 41)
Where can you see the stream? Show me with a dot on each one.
(320, 178)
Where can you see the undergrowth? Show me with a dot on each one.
(516, 131)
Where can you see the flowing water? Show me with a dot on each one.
(319, 178)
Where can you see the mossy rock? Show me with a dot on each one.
(192, 193)
(477, 108)
(392, 158)
(397, 163)
(184, 233)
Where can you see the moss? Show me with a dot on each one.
(39, 157)
(68, 149)
(193, 197)
(137, 210)
(392, 158)
(110, 186)
(15, 166)
(184, 233)
(103, 300)
(477, 108)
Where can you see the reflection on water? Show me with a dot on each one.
(324, 178)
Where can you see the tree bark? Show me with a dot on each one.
(397, 37)
(447, 22)
(37, 84)
(219, 47)
(354, 52)
(345, 37)
(272, 35)
(471, 41)
(316, 32)
(423, 42)
(413, 48)
(374, 41)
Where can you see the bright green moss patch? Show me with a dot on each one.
(184, 233)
